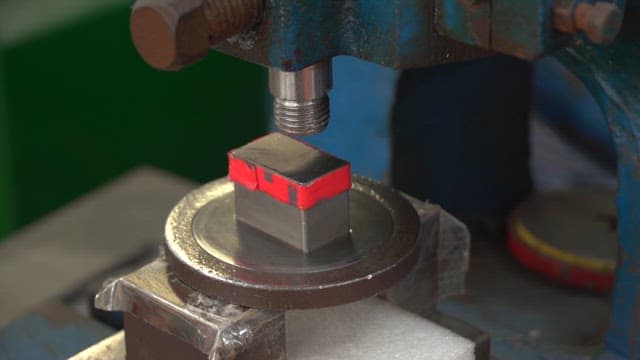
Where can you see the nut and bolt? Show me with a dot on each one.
(301, 101)
(172, 34)
(600, 21)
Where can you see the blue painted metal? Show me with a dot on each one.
(520, 28)
(395, 33)
(361, 104)
(398, 33)
(53, 332)
(566, 104)
(613, 76)
(468, 21)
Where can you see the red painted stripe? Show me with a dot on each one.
(242, 172)
(285, 190)
(560, 272)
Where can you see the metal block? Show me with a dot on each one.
(291, 191)
(164, 346)
(154, 299)
(306, 230)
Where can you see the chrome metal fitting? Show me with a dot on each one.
(301, 101)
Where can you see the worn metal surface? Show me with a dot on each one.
(526, 29)
(215, 231)
(518, 28)
(289, 158)
(397, 33)
(306, 230)
(113, 348)
(467, 21)
(612, 74)
(222, 330)
(290, 191)
(301, 101)
(145, 342)
(171, 34)
(265, 274)
(293, 35)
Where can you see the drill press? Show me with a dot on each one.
(238, 253)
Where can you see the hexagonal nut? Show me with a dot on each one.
(169, 35)
(604, 23)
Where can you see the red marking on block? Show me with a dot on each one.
(243, 173)
(303, 196)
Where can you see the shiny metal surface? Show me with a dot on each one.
(156, 296)
(217, 232)
(298, 230)
(301, 103)
(280, 197)
(210, 253)
(290, 158)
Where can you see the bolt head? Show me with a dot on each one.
(605, 21)
(168, 38)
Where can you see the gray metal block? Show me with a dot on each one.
(306, 230)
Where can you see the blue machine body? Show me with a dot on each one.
(612, 75)
(400, 34)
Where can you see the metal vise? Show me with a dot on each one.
(296, 40)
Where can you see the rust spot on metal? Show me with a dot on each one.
(298, 54)
(172, 34)
(287, 65)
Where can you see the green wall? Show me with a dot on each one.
(80, 108)
(6, 213)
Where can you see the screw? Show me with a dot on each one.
(601, 21)
(172, 34)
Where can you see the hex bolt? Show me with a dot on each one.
(172, 34)
(601, 21)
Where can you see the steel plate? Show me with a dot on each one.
(210, 252)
